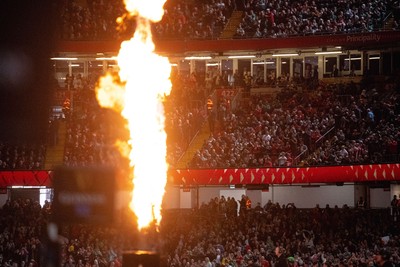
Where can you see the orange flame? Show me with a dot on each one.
(146, 78)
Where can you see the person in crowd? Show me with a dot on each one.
(382, 258)
(394, 205)
(281, 260)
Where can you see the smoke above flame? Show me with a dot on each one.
(138, 95)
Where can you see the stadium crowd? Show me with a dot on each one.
(97, 20)
(327, 124)
(214, 235)
(335, 124)
(93, 131)
(272, 19)
(354, 138)
(16, 156)
(331, 125)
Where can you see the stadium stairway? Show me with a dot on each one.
(55, 153)
(389, 23)
(233, 23)
(196, 144)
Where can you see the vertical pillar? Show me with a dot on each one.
(278, 67)
(321, 67)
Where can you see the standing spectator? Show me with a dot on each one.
(361, 203)
(281, 260)
(382, 259)
(395, 209)
(335, 72)
(370, 117)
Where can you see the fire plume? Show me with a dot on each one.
(145, 78)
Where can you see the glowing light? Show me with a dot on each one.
(145, 79)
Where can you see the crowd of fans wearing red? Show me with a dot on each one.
(332, 124)
(96, 19)
(274, 19)
(206, 19)
(15, 156)
(362, 127)
(214, 235)
(270, 132)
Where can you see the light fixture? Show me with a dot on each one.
(106, 58)
(262, 63)
(377, 57)
(328, 52)
(242, 56)
(64, 58)
(198, 58)
(286, 55)
(353, 58)
(212, 64)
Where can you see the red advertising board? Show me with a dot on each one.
(292, 175)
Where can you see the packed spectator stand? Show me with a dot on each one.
(303, 124)
(325, 125)
(216, 232)
(333, 124)
(95, 20)
(274, 19)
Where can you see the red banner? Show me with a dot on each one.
(331, 174)
(25, 178)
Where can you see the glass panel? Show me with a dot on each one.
(227, 65)
(244, 69)
(311, 67)
(355, 62)
(213, 68)
(258, 72)
(184, 68)
(200, 70)
(271, 70)
(244, 66)
(77, 68)
(386, 63)
(95, 70)
(298, 69)
(285, 67)
(227, 71)
(331, 69)
(45, 195)
(61, 70)
(373, 64)
(344, 61)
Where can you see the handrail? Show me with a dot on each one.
(307, 151)
(325, 134)
(296, 159)
(387, 16)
